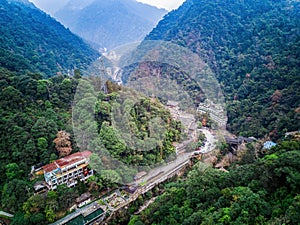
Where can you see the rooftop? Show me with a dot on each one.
(67, 161)
(238, 140)
(269, 144)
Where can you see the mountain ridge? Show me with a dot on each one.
(253, 54)
(39, 42)
(109, 23)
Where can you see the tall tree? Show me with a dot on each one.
(62, 143)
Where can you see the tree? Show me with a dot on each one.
(11, 98)
(30, 153)
(37, 218)
(50, 215)
(42, 89)
(110, 139)
(13, 171)
(52, 200)
(65, 197)
(63, 143)
(135, 221)
(66, 91)
(42, 144)
(53, 157)
(19, 219)
(293, 212)
(33, 205)
(77, 74)
(110, 177)
(14, 194)
(44, 127)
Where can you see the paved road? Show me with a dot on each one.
(181, 158)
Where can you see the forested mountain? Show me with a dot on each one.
(109, 23)
(138, 123)
(32, 40)
(253, 48)
(36, 97)
(32, 113)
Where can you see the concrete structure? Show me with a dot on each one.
(216, 112)
(239, 140)
(83, 199)
(68, 170)
(40, 187)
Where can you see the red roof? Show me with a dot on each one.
(66, 161)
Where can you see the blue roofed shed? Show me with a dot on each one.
(269, 144)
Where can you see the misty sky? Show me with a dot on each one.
(51, 6)
(167, 4)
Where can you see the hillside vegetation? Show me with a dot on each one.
(138, 127)
(33, 41)
(36, 100)
(34, 110)
(253, 47)
(263, 192)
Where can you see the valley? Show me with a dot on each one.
(143, 184)
(143, 116)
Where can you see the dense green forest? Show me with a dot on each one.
(135, 127)
(253, 48)
(31, 40)
(33, 46)
(263, 192)
(126, 130)
(36, 101)
(33, 110)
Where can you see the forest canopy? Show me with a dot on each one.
(253, 49)
(263, 192)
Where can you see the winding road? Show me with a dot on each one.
(181, 158)
(158, 174)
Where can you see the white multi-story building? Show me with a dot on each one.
(68, 170)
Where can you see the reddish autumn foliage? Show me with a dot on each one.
(63, 143)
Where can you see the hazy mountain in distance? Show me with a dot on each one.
(109, 23)
(50, 6)
(32, 40)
